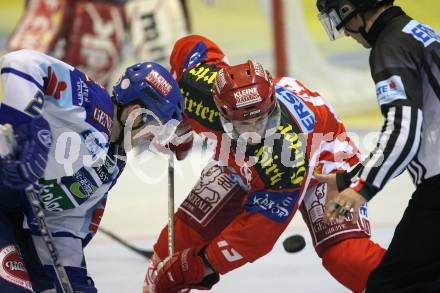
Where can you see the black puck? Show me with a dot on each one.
(294, 243)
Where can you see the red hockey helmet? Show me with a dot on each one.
(244, 91)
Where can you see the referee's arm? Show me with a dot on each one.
(395, 68)
(398, 144)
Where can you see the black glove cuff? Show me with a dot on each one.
(211, 279)
(343, 181)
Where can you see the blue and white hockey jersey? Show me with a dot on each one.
(80, 169)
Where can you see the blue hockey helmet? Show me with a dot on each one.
(151, 85)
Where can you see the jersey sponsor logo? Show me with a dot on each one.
(422, 33)
(45, 137)
(79, 191)
(205, 199)
(94, 215)
(276, 206)
(323, 230)
(199, 109)
(204, 73)
(267, 162)
(103, 119)
(220, 80)
(390, 90)
(159, 82)
(247, 97)
(12, 268)
(53, 87)
(316, 211)
(53, 197)
(197, 55)
(251, 113)
(301, 112)
(269, 159)
(95, 142)
(80, 88)
(195, 86)
(259, 70)
(14, 265)
(83, 186)
(107, 171)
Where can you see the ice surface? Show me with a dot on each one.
(116, 269)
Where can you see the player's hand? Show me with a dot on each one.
(347, 201)
(338, 205)
(184, 269)
(151, 274)
(34, 141)
(332, 188)
(182, 142)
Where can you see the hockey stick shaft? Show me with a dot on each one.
(145, 253)
(171, 204)
(37, 209)
(171, 248)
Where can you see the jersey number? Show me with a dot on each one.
(35, 105)
(228, 252)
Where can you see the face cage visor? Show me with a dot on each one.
(331, 21)
(266, 127)
(256, 131)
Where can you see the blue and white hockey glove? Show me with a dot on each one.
(33, 142)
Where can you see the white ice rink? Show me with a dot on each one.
(116, 269)
(137, 211)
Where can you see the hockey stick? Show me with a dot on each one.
(145, 253)
(8, 149)
(37, 209)
(171, 248)
(171, 204)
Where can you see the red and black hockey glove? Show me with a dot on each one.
(183, 141)
(183, 270)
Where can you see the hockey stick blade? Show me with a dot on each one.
(294, 243)
(144, 252)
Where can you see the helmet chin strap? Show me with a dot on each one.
(366, 37)
(362, 32)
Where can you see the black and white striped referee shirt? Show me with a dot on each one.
(405, 65)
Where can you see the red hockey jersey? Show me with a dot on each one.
(273, 176)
